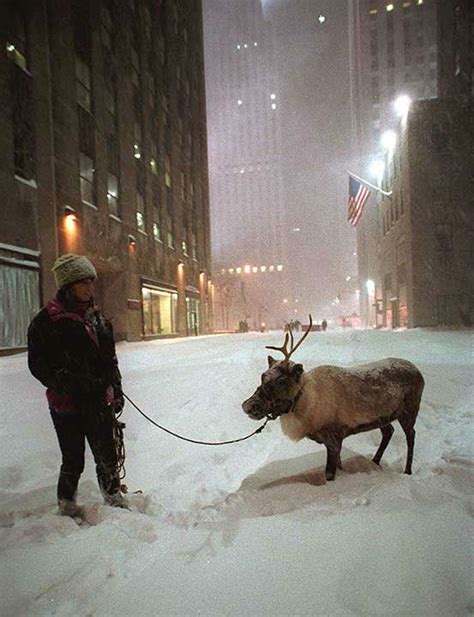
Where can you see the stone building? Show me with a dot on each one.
(104, 152)
(393, 51)
(456, 48)
(425, 229)
(413, 248)
(245, 163)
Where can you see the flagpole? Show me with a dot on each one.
(372, 186)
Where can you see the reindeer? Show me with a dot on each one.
(329, 403)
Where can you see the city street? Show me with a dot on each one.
(251, 528)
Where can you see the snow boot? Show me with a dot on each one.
(67, 507)
(116, 500)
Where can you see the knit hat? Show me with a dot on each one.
(71, 268)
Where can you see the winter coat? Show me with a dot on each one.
(72, 353)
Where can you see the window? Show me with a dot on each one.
(147, 23)
(440, 136)
(140, 213)
(82, 27)
(83, 84)
(170, 230)
(444, 237)
(86, 132)
(113, 195)
(110, 94)
(157, 231)
(151, 90)
(167, 171)
(106, 31)
(112, 155)
(193, 245)
(86, 173)
(17, 44)
(182, 186)
(161, 49)
(23, 134)
(137, 145)
(135, 67)
(402, 274)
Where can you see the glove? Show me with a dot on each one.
(118, 403)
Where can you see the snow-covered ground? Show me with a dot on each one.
(250, 529)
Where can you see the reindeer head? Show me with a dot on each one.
(280, 383)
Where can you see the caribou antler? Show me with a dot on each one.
(287, 353)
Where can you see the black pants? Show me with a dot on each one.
(73, 428)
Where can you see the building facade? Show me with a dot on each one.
(424, 271)
(409, 275)
(393, 51)
(245, 163)
(104, 152)
(456, 48)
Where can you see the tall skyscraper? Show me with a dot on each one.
(245, 156)
(393, 51)
(456, 48)
(278, 123)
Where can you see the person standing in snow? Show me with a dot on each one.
(71, 350)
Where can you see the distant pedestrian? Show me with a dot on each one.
(324, 325)
(71, 350)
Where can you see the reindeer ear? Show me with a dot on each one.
(271, 361)
(297, 370)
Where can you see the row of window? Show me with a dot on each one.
(392, 211)
(391, 6)
(23, 129)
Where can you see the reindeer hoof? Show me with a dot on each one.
(330, 477)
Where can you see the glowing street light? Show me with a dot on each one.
(370, 286)
(402, 105)
(377, 168)
(388, 140)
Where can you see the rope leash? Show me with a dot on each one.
(203, 443)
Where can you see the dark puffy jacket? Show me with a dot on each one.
(73, 355)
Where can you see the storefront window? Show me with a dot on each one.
(192, 314)
(159, 311)
(402, 303)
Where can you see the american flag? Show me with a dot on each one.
(358, 195)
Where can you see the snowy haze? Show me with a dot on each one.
(251, 528)
(309, 140)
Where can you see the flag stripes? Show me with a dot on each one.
(358, 195)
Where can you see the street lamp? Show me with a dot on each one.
(377, 168)
(388, 140)
(402, 105)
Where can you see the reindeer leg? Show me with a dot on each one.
(387, 432)
(407, 424)
(333, 458)
(339, 462)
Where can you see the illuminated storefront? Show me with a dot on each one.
(159, 311)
